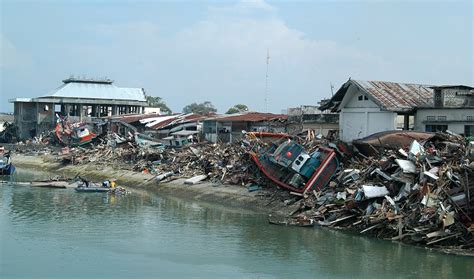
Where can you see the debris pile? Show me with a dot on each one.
(220, 163)
(419, 194)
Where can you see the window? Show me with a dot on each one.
(431, 118)
(366, 98)
(470, 118)
(360, 97)
(468, 130)
(436, 128)
(441, 118)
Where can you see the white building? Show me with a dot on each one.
(452, 109)
(368, 107)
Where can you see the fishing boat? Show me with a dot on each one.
(74, 134)
(85, 186)
(6, 166)
(92, 189)
(291, 167)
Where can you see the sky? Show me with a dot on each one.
(216, 51)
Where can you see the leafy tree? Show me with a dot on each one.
(202, 108)
(157, 102)
(237, 108)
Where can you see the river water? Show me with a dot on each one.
(58, 233)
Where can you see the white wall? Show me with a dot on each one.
(152, 110)
(361, 118)
(455, 118)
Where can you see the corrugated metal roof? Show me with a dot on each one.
(397, 96)
(170, 120)
(392, 96)
(130, 118)
(250, 117)
(94, 90)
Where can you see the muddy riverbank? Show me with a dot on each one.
(262, 201)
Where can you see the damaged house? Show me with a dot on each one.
(172, 130)
(79, 100)
(452, 109)
(228, 128)
(368, 107)
(310, 118)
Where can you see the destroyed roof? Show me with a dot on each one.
(90, 89)
(130, 118)
(389, 96)
(185, 133)
(163, 121)
(249, 117)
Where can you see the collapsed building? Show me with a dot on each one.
(310, 118)
(78, 99)
(228, 128)
(171, 130)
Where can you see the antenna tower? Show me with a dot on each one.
(266, 81)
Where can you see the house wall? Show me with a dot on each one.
(361, 117)
(209, 129)
(45, 118)
(25, 118)
(456, 119)
(322, 128)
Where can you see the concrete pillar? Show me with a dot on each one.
(406, 122)
(114, 110)
(94, 111)
(80, 107)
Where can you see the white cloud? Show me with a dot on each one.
(222, 59)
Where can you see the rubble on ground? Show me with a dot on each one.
(419, 194)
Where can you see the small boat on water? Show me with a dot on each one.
(92, 189)
(301, 221)
(85, 186)
(6, 166)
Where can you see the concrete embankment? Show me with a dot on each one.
(227, 195)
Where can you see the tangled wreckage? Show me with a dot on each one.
(405, 186)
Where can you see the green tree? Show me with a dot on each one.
(202, 108)
(157, 102)
(237, 108)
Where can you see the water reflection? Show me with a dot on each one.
(166, 230)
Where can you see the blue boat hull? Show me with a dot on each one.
(91, 189)
(7, 170)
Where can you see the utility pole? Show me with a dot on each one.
(266, 81)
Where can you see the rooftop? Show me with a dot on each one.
(95, 89)
(391, 96)
(249, 117)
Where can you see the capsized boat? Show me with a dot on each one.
(291, 167)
